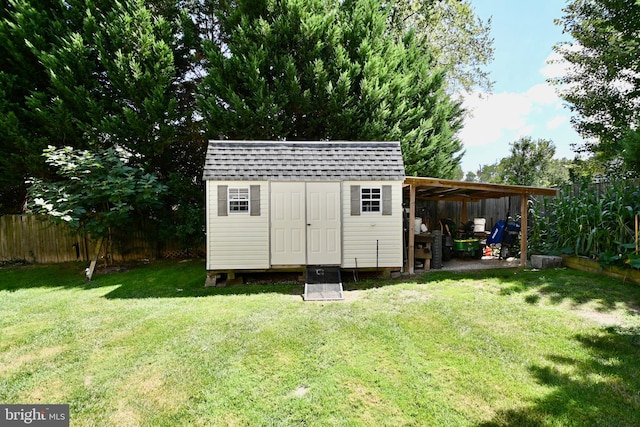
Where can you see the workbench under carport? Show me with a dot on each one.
(435, 189)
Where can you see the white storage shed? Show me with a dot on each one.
(284, 205)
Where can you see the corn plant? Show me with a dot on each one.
(589, 220)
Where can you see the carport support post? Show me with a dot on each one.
(464, 212)
(524, 219)
(412, 221)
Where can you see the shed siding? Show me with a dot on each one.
(237, 241)
(360, 232)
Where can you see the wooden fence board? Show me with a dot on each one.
(490, 209)
(34, 239)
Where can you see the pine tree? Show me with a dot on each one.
(317, 70)
(95, 75)
(25, 27)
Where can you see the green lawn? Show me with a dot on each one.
(153, 347)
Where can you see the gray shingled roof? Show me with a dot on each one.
(303, 161)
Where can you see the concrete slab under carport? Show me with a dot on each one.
(435, 189)
(470, 264)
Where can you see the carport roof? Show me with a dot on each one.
(437, 189)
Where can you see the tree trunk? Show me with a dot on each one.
(92, 266)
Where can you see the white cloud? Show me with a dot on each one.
(555, 66)
(493, 117)
(496, 120)
(524, 131)
(556, 122)
(541, 94)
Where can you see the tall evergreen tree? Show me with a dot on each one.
(317, 70)
(101, 74)
(25, 27)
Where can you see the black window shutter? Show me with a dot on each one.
(355, 200)
(387, 206)
(254, 196)
(222, 200)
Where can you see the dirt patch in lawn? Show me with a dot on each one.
(605, 319)
(620, 316)
(39, 356)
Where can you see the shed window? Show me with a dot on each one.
(371, 199)
(238, 200)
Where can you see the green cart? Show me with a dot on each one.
(470, 247)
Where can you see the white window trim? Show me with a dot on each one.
(230, 200)
(379, 199)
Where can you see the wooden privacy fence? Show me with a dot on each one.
(29, 238)
(490, 209)
(34, 239)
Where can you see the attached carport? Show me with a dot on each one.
(434, 189)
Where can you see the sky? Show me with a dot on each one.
(522, 103)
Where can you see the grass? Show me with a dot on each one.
(152, 347)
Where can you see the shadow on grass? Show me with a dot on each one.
(66, 275)
(187, 281)
(163, 279)
(557, 286)
(173, 279)
(602, 390)
(172, 284)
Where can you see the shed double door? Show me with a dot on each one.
(305, 223)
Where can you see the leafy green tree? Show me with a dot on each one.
(14, 151)
(631, 152)
(471, 177)
(602, 85)
(459, 40)
(486, 173)
(96, 193)
(558, 173)
(458, 174)
(585, 170)
(24, 27)
(111, 80)
(317, 70)
(528, 161)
